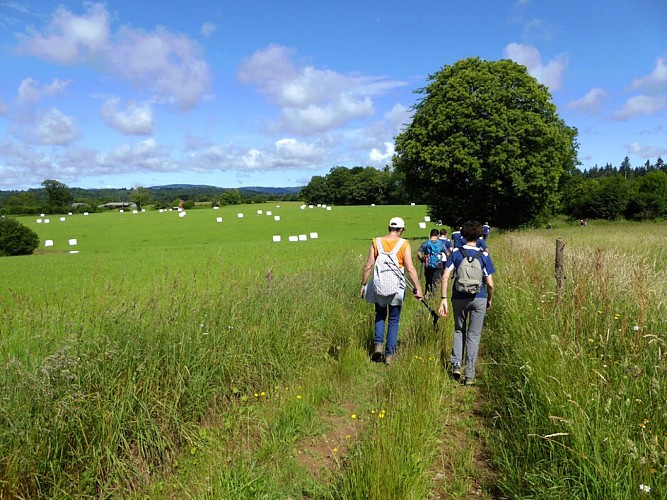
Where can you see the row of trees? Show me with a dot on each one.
(615, 196)
(356, 186)
(626, 170)
(56, 197)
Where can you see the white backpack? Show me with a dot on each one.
(388, 277)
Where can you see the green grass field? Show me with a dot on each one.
(185, 357)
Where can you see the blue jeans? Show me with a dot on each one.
(392, 328)
(468, 321)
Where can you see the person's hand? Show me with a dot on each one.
(363, 291)
(419, 295)
(443, 309)
(488, 305)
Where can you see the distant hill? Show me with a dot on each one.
(160, 194)
(256, 189)
(274, 190)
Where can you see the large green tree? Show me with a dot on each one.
(59, 194)
(140, 196)
(485, 143)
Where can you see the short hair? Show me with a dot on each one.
(471, 230)
(443, 232)
(435, 232)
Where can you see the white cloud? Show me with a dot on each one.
(656, 81)
(398, 117)
(592, 102)
(377, 157)
(640, 105)
(160, 61)
(312, 100)
(22, 166)
(50, 127)
(146, 155)
(55, 127)
(134, 120)
(550, 74)
(208, 28)
(164, 62)
(284, 154)
(537, 29)
(70, 38)
(30, 91)
(645, 151)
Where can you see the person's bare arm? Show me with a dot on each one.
(443, 309)
(367, 270)
(489, 291)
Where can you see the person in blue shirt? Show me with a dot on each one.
(456, 237)
(486, 229)
(430, 253)
(480, 243)
(447, 242)
(469, 308)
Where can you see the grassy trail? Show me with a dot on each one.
(348, 428)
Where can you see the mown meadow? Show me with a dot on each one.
(184, 357)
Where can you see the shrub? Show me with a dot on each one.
(16, 239)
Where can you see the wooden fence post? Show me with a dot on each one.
(560, 267)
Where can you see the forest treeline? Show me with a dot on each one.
(610, 192)
(56, 197)
(607, 192)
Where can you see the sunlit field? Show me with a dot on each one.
(579, 389)
(182, 356)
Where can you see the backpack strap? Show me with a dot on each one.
(378, 245)
(397, 246)
(471, 257)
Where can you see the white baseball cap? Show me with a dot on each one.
(397, 222)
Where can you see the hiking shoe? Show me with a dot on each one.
(456, 373)
(470, 381)
(388, 359)
(377, 355)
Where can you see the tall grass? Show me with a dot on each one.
(163, 360)
(130, 375)
(581, 381)
(112, 358)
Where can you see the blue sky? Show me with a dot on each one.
(271, 92)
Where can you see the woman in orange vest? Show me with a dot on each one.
(389, 306)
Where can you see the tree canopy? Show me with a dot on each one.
(355, 186)
(486, 143)
(16, 239)
(59, 193)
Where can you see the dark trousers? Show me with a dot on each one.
(433, 276)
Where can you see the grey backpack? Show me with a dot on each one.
(469, 274)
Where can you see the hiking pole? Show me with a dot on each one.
(397, 271)
(433, 313)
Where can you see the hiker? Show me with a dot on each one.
(448, 244)
(486, 229)
(456, 237)
(472, 295)
(388, 304)
(430, 254)
(480, 243)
